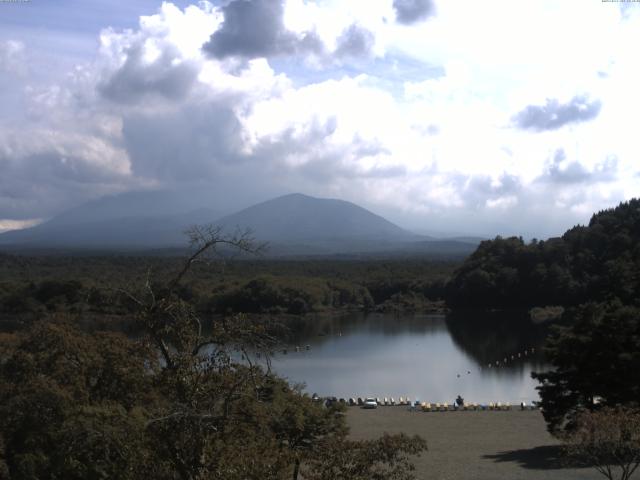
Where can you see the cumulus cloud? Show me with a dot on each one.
(554, 115)
(167, 75)
(409, 12)
(255, 28)
(480, 191)
(561, 171)
(355, 41)
(45, 171)
(12, 57)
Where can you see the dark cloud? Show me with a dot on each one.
(355, 41)
(554, 115)
(575, 173)
(42, 184)
(409, 12)
(183, 145)
(255, 28)
(169, 76)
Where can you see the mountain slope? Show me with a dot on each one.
(133, 219)
(135, 231)
(293, 225)
(296, 217)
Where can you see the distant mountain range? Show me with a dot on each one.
(293, 224)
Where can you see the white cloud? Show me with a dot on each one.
(8, 225)
(12, 59)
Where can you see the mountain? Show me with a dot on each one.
(293, 224)
(149, 204)
(298, 224)
(296, 217)
(151, 219)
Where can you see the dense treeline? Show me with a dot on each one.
(598, 262)
(92, 286)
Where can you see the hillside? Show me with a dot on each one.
(596, 262)
(145, 219)
(297, 217)
(292, 225)
(159, 231)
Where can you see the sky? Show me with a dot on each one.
(465, 117)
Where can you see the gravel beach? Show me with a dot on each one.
(473, 444)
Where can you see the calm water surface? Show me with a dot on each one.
(430, 357)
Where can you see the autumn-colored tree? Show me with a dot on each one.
(608, 440)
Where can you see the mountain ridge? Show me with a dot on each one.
(302, 217)
(293, 224)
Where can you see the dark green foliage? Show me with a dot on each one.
(67, 403)
(596, 362)
(386, 458)
(594, 263)
(268, 294)
(91, 287)
(68, 292)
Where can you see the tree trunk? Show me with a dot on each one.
(296, 469)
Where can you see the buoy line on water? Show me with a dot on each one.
(426, 406)
(512, 358)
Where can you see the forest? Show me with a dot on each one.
(596, 262)
(91, 287)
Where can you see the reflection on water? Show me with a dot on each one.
(429, 357)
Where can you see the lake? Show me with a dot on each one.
(430, 357)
